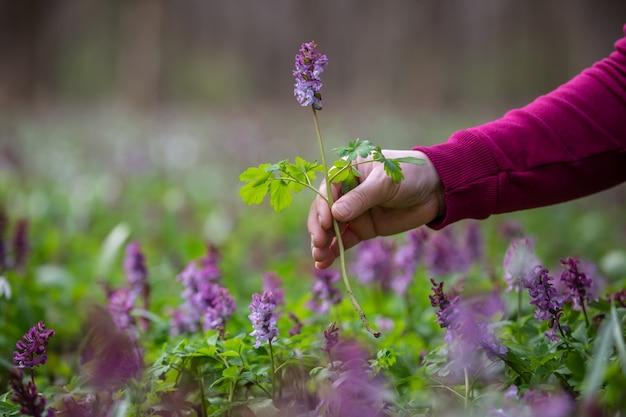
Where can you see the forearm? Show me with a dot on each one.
(566, 144)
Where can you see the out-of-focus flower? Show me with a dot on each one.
(545, 404)
(120, 306)
(20, 243)
(136, 271)
(5, 288)
(110, 357)
(31, 402)
(577, 283)
(384, 324)
(273, 284)
(31, 349)
(374, 262)
(620, 298)
(444, 255)
(544, 296)
(309, 65)
(511, 229)
(324, 292)
(407, 259)
(353, 391)
(474, 242)
(207, 304)
(297, 325)
(88, 406)
(263, 318)
(219, 306)
(519, 262)
(331, 337)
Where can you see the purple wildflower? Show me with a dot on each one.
(384, 324)
(110, 357)
(442, 302)
(30, 350)
(407, 259)
(578, 283)
(31, 402)
(545, 404)
(120, 306)
(519, 263)
(620, 298)
(219, 306)
(136, 271)
(331, 337)
(374, 262)
(474, 242)
(352, 391)
(207, 304)
(273, 284)
(297, 325)
(324, 292)
(444, 255)
(309, 65)
(263, 318)
(544, 296)
(20, 243)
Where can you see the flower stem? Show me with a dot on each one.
(273, 370)
(342, 256)
(202, 393)
(467, 388)
(582, 304)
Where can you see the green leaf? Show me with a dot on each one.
(280, 195)
(232, 372)
(393, 170)
(410, 160)
(356, 148)
(257, 183)
(619, 338)
(599, 362)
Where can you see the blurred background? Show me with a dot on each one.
(144, 107)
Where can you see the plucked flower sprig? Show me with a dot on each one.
(282, 179)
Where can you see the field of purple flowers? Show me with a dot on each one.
(138, 303)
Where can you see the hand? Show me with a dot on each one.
(375, 207)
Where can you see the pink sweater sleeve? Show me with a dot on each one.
(564, 145)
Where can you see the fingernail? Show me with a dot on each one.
(340, 209)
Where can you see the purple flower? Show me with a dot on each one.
(511, 229)
(441, 301)
(407, 259)
(297, 325)
(30, 350)
(331, 337)
(544, 296)
(352, 391)
(468, 330)
(207, 304)
(120, 306)
(474, 242)
(620, 298)
(219, 306)
(110, 357)
(309, 65)
(374, 262)
(544, 404)
(577, 283)
(519, 262)
(324, 292)
(31, 402)
(20, 243)
(263, 318)
(384, 324)
(273, 284)
(444, 255)
(136, 271)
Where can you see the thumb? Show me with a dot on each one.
(357, 201)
